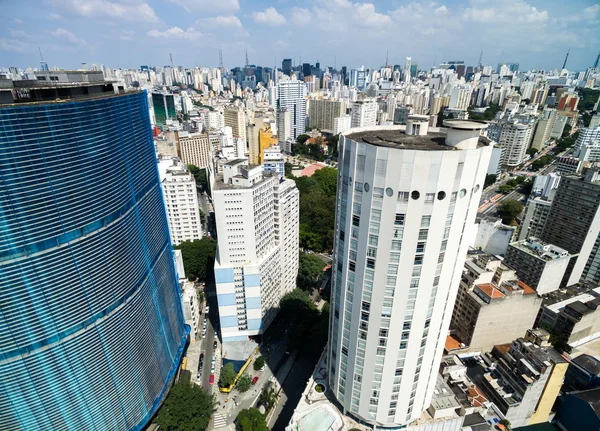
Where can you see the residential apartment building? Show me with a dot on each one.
(460, 97)
(406, 196)
(291, 95)
(273, 161)
(255, 214)
(323, 112)
(488, 292)
(514, 138)
(587, 147)
(534, 219)
(194, 149)
(364, 113)
(539, 264)
(236, 119)
(181, 201)
(574, 224)
(341, 124)
(523, 382)
(284, 126)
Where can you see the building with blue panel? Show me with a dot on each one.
(91, 325)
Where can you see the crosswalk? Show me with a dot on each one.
(219, 420)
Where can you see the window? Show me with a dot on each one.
(403, 196)
(376, 215)
(383, 332)
(414, 283)
(403, 345)
(462, 193)
(352, 255)
(421, 247)
(371, 263)
(352, 266)
(425, 221)
(373, 239)
(371, 252)
(396, 245)
(423, 234)
(429, 197)
(453, 197)
(356, 208)
(419, 259)
(378, 192)
(360, 163)
(389, 192)
(400, 219)
(355, 220)
(358, 186)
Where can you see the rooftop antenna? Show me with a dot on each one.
(335, 62)
(246, 56)
(387, 53)
(44, 65)
(566, 58)
(597, 61)
(220, 58)
(480, 57)
(171, 57)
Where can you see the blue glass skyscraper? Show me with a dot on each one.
(91, 325)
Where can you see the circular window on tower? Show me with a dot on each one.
(476, 188)
(441, 196)
(462, 193)
(415, 195)
(366, 187)
(389, 192)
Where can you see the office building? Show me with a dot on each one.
(539, 264)
(322, 113)
(523, 380)
(488, 292)
(574, 224)
(460, 97)
(236, 119)
(181, 200)
(534, 218)
(291, 95)
(164, 108)
(364, 113)
(286, 66)
(341, 124)
(92, 328)
(194, 149)
(406, 198)
(579, 411)
(256, 213)
(284, 126)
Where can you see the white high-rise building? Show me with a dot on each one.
(181, 201)
(407, 200)
(214, 120)
(257, 227)
(364, 113)
(236, 119)
(291, 95)
(587, 147)
(514, 139)
(193, 148)
(341, 124)
(460, 97)
(407, 65)
(284, 126)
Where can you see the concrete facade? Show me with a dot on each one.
(193, 149)
(535, 216)
(404, 203)
(322, 113)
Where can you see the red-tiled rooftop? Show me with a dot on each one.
(502, 348)
(451, 343)
(526, 289)
(490, 290)
(475, 396)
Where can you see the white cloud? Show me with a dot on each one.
(208, 5)
(19, 34)
(508, 11)
(365, 14)
(176, 33)
(12, 45)
(53, 16)
(67, 36)
(220, 22)
(269, 16)
(442, 10)
(479, 15)
(132, 10)
(301, 16)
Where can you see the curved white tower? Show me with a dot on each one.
(407, 200)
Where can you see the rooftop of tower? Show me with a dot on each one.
(433, 140)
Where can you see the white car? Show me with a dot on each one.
(212, 368)
(206, 309)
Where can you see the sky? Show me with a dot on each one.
(130, 33)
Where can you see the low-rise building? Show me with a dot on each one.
(583, 373)
(522, 379)
(493, 236)
(579, 411)
(539, 264)
(489, 292)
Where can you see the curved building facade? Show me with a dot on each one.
(407, 199)
(91, 326)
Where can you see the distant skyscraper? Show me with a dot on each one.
(407, 65)
(286, 66)
(407, 203)
(257, 259)
(92, 330)
(164, 108)
(291, 95)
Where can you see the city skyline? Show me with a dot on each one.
(70, 32)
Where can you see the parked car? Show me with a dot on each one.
(206, 309)
(201, 359)
(212, 368)
(211, 380)
(215, 336)
(214, 344)
(254, 380)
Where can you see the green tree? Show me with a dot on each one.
(259, 363)
(308, 332)
(244, 383)
(506, 188)
(251, 420)
(332, 146)
(506, 423)
(566, 131)
(489, 180)
(310, 271)
(267, 398)
(199, 175)
(327, 180)
(301, 139)
(532, 151)
(227, 375)
(187, 408)
(198, 257)
(288, 170)
(509, 210)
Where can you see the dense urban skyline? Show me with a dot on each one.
(127, 33)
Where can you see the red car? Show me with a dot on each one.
(254, 380)
(211, 380)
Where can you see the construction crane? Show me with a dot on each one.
(566, 58)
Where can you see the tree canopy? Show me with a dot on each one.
(317, 209)
(310, 271)
(199, 176)
(198, 257)
(251, 420)
(187, 408)
(489, 180)
(488, 115)
(509, 210)
(259, 363)
(244, 383)
(309, 325)
(227, 375)
(301, 139)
